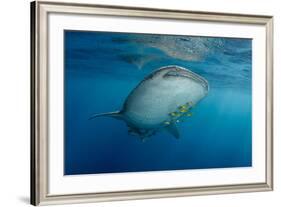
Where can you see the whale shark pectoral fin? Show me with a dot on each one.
(173, 130)
(115, 114)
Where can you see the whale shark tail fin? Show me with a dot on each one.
(173, 130)
(114, 114)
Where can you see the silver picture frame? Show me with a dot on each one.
(39, 100)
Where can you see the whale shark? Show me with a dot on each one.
(162, 100)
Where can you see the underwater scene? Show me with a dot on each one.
(154, 102)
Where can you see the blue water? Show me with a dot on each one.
(102, 68)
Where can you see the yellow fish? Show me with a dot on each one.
(178, 114)
(174, 114)
(189, 114)
(183, 106)
(183, 110)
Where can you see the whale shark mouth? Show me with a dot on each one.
(185, 73)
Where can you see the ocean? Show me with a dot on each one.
(102, 68)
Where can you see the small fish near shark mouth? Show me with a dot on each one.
(161, 101)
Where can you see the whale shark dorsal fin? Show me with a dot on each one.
(173, 130)
(114, 114)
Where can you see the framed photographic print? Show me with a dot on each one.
(133, 103)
